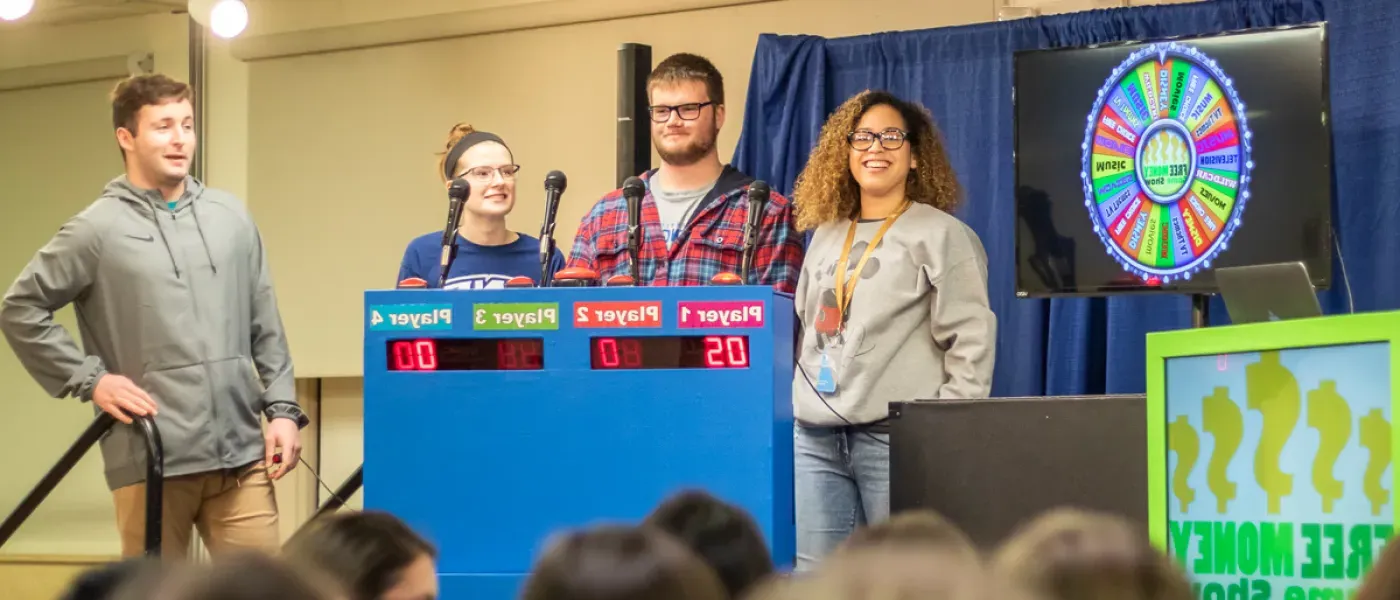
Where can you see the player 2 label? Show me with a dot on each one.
(740, 313)
(516, 316)
(410, 317)
(617, 314)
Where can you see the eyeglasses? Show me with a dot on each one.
(483, 174)
(890, 139)
(688, 112)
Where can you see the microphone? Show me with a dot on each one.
(633, 190)
(758, 202)
(456, 197)
(554, 184)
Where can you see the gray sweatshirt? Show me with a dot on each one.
(919, 325)
(180, 301)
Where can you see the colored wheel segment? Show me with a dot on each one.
(1166, 162)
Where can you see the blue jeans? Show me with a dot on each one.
(841, 479)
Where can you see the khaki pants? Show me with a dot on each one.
(233, 509)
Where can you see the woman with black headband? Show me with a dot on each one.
(488, 253)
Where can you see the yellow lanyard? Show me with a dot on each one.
(846, 289)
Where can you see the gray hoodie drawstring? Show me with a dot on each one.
(156, 217)
(200, 228)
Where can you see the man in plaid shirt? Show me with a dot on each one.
(694, 211)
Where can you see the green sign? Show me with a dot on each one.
(516, 316)
(1273, 467)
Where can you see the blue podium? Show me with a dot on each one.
(495, 418)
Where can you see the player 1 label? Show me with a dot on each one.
(410, 317)
(617, 314)
(515, 316)
(742, 313)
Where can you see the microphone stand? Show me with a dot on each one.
(634, 252)
(547, 258)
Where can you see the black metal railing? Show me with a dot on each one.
(155, 472)
(344, 492)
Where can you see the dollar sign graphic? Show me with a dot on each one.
(1187, 446)
(1375, 436)
(1329, 414)
(1273, 391)
(1222, 419)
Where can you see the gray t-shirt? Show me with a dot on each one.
(674, 208)
(920, 325)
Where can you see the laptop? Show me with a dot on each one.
(1273, 292)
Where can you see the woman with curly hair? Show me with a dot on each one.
(878, 190)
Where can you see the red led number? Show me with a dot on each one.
(417, 355)
(721, 352)
(607, 353)
(516, 355)
(625, 355)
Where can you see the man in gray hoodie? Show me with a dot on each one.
(179, 322)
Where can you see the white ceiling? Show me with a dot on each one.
(59, 12)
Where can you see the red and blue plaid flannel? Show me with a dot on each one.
(712, 243)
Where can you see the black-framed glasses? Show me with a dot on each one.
(890, 139)
(483, 174)
(687, 112)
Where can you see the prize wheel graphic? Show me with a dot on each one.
(1166, 162)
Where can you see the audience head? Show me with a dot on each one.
(919, 529)
(371, 555)
(874, 144)
(103, 583)
(251, 576)
(1383, 581)
(685, 93)
(891, 573)
(1075, 555)
(721, 534)
(621, 563)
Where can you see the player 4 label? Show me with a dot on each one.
(617, 314)
(410, 317)
(742, 313)
(517, 316)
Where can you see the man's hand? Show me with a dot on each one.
(121, 398)
(282, 434)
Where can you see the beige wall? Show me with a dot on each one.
(342, 169)
(342, 172)
(57, 153)
(334, 153)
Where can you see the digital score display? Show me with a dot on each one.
(466, 354)
(670, 352)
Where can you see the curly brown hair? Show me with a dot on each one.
(826, 190)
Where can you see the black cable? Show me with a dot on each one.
(833, 410)
(1346, 280)
(318, 480)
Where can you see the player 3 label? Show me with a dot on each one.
(741, 313)
(617, 314)
(410, 317)
(516, 316)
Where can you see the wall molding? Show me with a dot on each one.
(110, 68)
(547, 13)
(57, 559)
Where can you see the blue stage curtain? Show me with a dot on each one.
(964, 76)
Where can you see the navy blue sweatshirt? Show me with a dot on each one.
(476, 266)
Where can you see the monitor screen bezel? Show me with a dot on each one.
(1321, 279)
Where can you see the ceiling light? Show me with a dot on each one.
(229, 18)
(11, 10)
(226, 18)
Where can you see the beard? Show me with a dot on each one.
(689, 153)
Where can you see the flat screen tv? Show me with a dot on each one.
(1271, 453)
(1142, 166)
